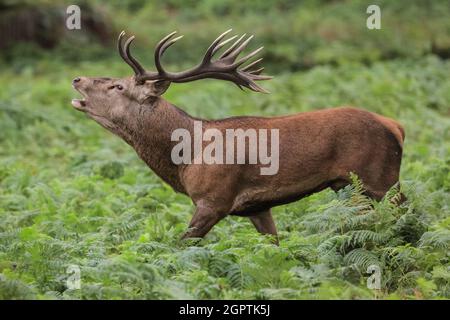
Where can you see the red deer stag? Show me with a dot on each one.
(317, 149)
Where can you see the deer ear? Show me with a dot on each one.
(151, 88)
(159, 87)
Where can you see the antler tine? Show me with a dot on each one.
(233, 55)
(222, 44)
(138, 69)
(247, 57)
(213, 46)
(257, 88)
(249, 81)
(123, 53)
(234, 45)
(159, 52)
(251, 64)
(257, 71)
(168, 44)
(119, 45)
(258, 77)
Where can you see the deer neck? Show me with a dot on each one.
(150, 135)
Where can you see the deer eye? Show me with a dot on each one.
(119, 87)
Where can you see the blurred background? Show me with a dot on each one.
(72, 193)
(297, 34)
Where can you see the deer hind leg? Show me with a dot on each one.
(378, 195)
(374, 192)
(378, 182)
(338, 184)
(375, 187)
(203, 220)
(264, 223)
(375, 195)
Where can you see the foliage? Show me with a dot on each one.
(73, 194)
(296, 34)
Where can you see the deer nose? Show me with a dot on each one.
(77, 79)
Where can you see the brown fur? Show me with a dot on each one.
(318, 150)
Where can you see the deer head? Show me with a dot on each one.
(109, 101)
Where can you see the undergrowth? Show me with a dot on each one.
(72, 194)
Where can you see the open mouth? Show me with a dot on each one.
(79, 104)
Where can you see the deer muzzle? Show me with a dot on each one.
(77, 84)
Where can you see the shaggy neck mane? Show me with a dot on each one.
(148, 130)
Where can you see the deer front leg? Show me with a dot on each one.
(203, 220)
(264, 223)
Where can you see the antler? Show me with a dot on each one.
(225, 67)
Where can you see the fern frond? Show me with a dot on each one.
(362, 237)
(439, 239)
(362, 258)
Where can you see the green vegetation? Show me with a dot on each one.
(72, 193)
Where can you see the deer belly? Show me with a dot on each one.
(259, 199)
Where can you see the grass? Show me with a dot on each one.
(71, 193)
